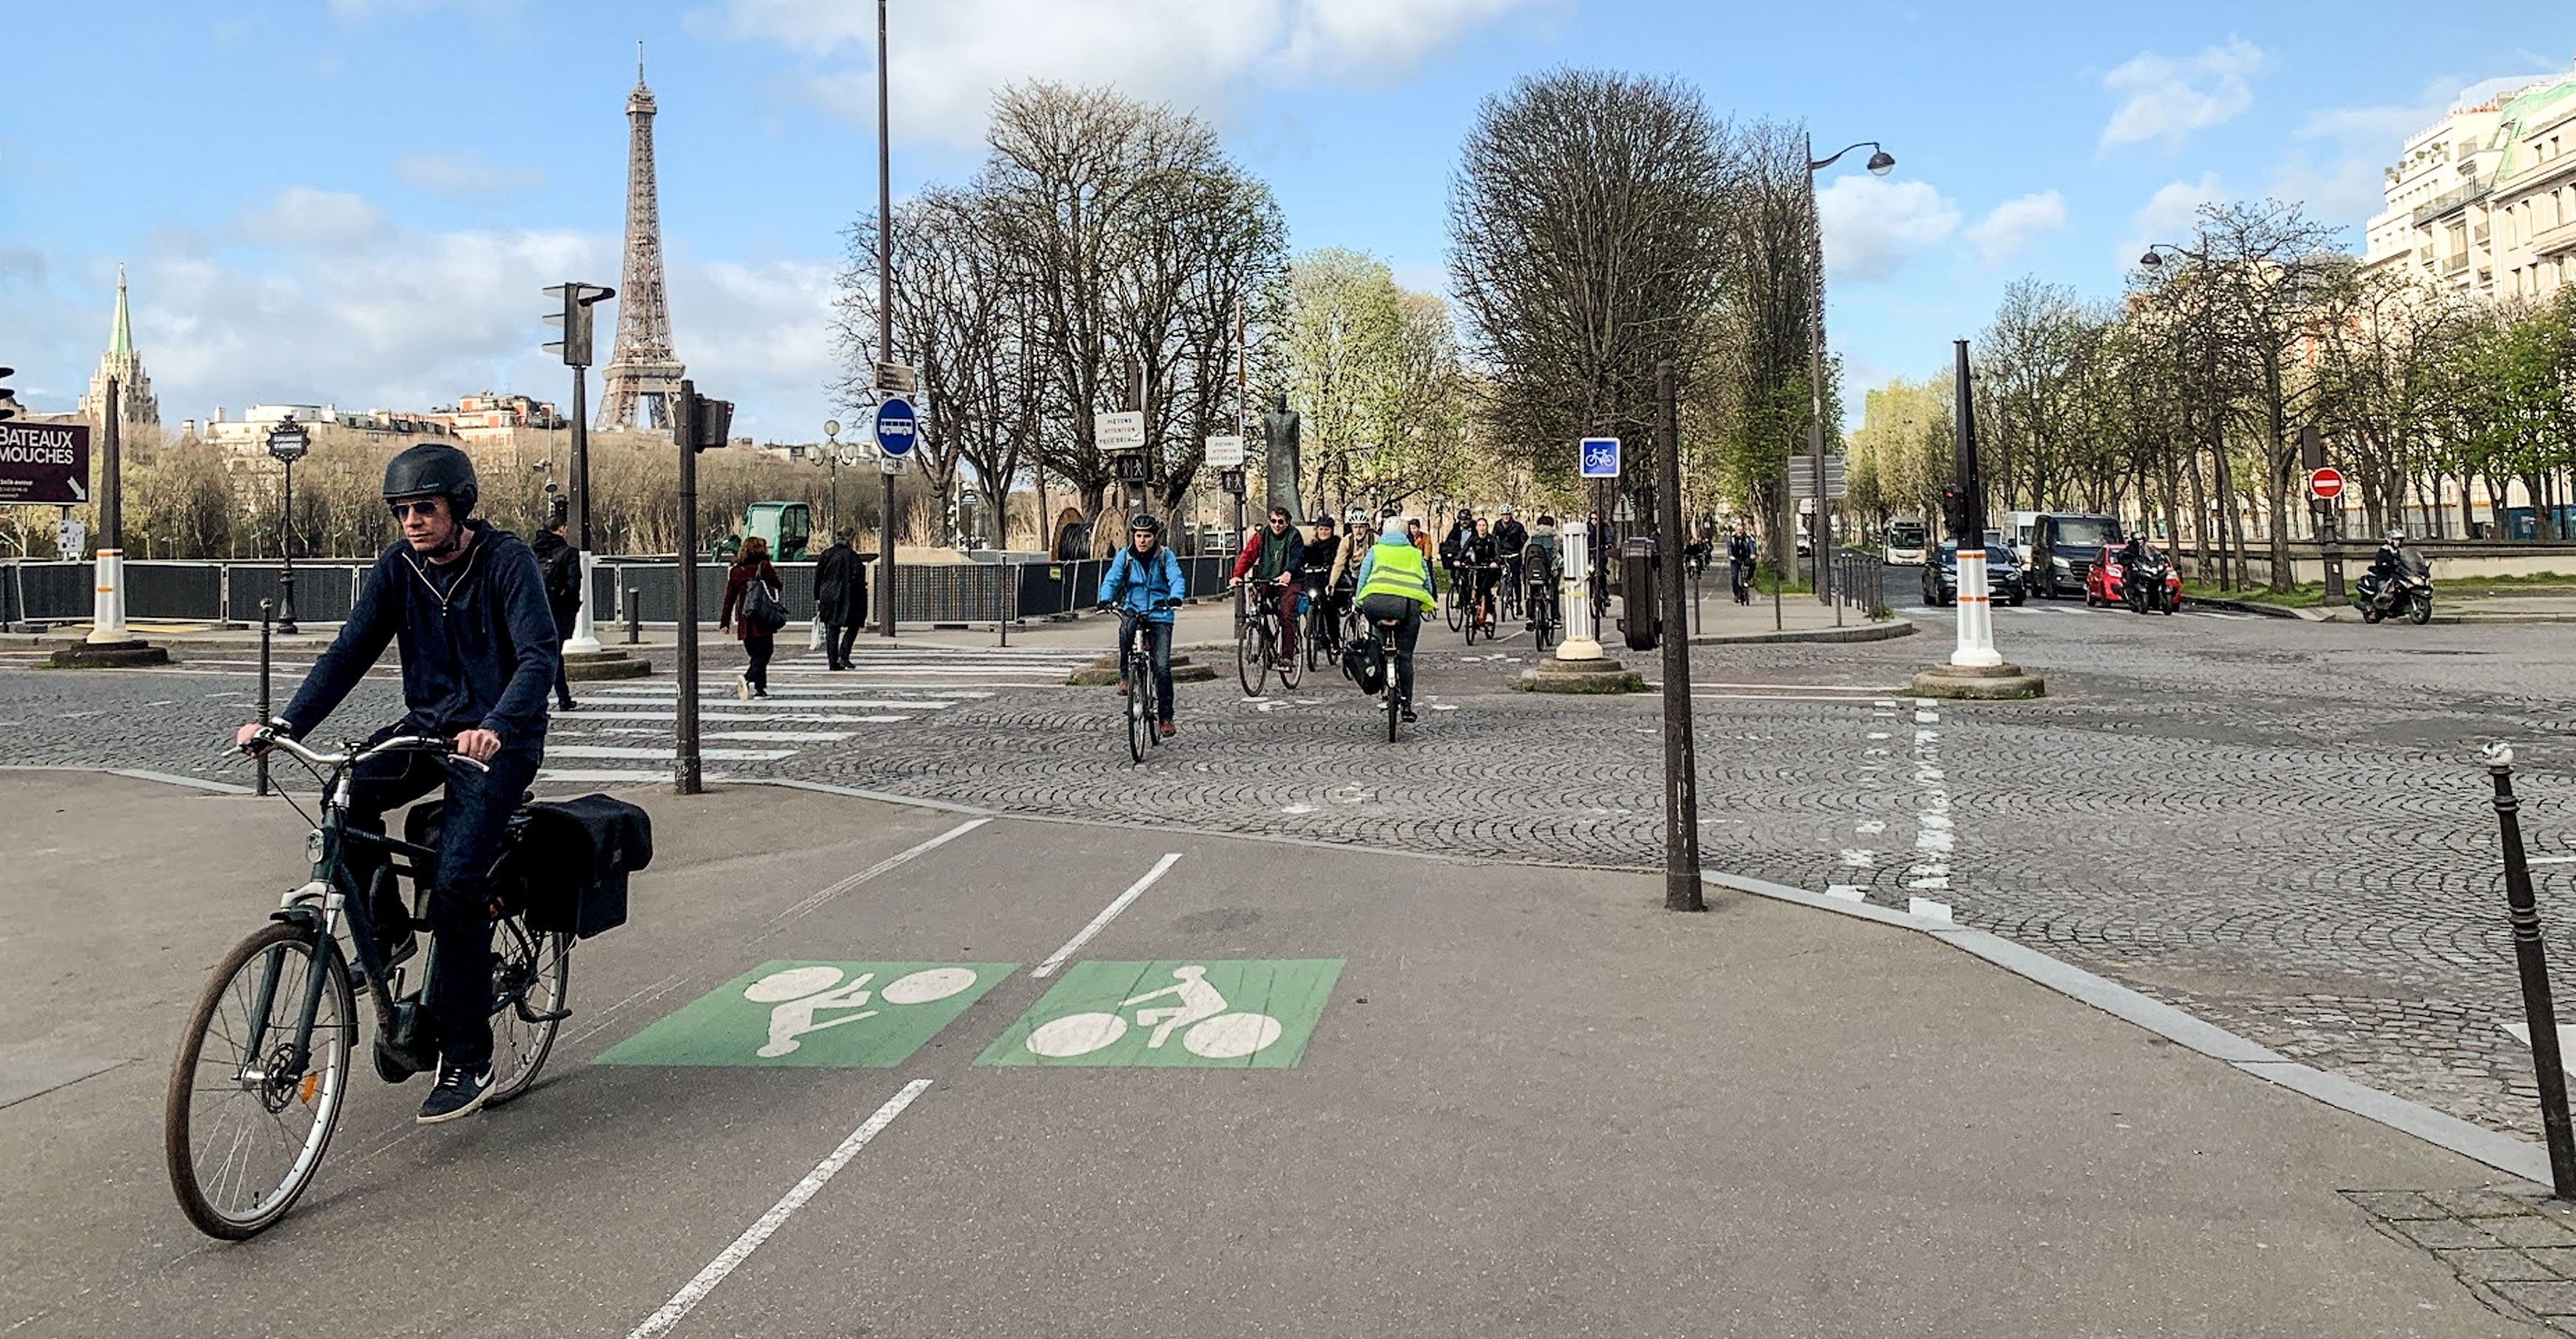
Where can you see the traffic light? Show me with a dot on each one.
(700, 423)
(8, 397)
(1133, 467)
(1954, 513)
(574, 320)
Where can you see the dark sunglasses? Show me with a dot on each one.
(427, 506)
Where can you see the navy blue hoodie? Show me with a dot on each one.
(478, 642)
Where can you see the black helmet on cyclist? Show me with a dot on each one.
(433, 468)
(1145, 522)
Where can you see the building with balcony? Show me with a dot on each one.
(2480, 202)
(496, 420)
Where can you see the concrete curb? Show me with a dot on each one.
(2258, 607)
(2441, 1129)
(1858, 632)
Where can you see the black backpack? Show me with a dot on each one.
(563, 578)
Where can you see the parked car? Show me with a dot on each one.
(2004, 577)
(2063, 548)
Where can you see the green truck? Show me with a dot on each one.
(788, 526)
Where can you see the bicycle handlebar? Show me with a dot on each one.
(268, 737)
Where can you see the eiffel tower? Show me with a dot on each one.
(643, 372)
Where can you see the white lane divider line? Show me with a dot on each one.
(890, 862)
(696, 1289)
(1101, 921)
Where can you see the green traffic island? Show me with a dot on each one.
(109, 655)
(1103, 673)
(1979, 683)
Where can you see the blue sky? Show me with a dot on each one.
(355, 201)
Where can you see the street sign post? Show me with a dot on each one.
(1600, 457)
(44, 464)
(2325, 491)
(896, 426)
(2325, 483)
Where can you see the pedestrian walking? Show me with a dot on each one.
(840, 598)
(753, 612)
(559, 563)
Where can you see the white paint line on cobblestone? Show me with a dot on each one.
(1107, 914)
(647, 752)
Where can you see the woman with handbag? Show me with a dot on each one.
(752, 591)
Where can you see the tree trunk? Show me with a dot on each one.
(2199, 519)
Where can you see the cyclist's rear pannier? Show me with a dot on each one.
(1365, 665)
(573, 859)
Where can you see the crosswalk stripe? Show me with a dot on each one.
(664, 754)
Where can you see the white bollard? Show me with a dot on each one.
(1976, 648)
(585, 636)
(107, 620)
(1582, 640)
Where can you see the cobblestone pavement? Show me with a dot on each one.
(2278, 825)
(2516, 1253)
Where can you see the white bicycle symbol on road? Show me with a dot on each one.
(1212, 1034)
(800, 993)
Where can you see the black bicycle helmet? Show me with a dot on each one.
(1145, 520)
(433, 467)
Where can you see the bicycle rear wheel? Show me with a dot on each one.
(1543, 624)
(1394, 702)
(531, 975)
(243, 1124)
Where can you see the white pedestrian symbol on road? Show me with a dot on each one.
(800, 993)
(1213, 1034)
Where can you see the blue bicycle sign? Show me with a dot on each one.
(1600, 457)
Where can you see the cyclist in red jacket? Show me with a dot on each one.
(1273, 555)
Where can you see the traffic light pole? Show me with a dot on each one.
(585, 636)
(1682, 890)
(1976, 649)
(685, 775)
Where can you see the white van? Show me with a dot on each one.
(1906, 539)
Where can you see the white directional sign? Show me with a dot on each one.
(1224, 453)
(1600, 457)
(1123, 431)
(1802, 476)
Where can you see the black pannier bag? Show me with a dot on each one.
(571, 858)
(566, 862)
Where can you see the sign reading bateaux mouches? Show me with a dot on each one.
(44, 464)
(1600, 457)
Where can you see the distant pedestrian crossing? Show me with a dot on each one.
(623, 732)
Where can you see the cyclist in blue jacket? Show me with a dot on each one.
(1141, 581)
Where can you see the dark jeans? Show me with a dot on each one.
(1408, 630)
(759, 649)
(563, 633)
(837, 640)
(1286, 603)
(1158, 644)
(471, 826)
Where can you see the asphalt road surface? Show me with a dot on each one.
(1434, 1098)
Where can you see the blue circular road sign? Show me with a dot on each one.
(896, 426)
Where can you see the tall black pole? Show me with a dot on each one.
(1817, 531)
(580, 473)
(259, 785)
(286, 560)
(885, 318)
(685, 776)
(1681, 761)
(2532, 959)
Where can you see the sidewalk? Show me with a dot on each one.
(1506, 1101)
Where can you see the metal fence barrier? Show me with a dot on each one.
(1860, 579)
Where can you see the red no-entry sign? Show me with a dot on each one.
(2325, 485)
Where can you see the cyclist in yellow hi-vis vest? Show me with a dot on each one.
(1395, 583)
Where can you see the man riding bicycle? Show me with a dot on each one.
(1510, 539)
(1395, 584)
(466, 602)
(1273, 557)
(1144, 581)
(1480, 564)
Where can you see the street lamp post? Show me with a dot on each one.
(287, 442)
(1880, 164)
(832, 470)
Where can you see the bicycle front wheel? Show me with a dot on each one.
(1449, 604)
(1252, 657)
(1140, 710)
(531, 977)
(251, 1107)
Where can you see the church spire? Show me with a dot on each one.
(120, 337)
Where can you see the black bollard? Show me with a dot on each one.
(634, 617)
(2533, 960)
(266, 609)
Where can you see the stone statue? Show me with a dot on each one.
(1279, 438)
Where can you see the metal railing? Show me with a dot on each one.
(1860, 580)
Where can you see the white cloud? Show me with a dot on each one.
(464, 173)
(2346, 190)
(2015, 224)
(949, 58)
(2166, 99)
(1873, 225)
(2169, 215)
(384, 316)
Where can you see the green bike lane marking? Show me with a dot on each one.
(1203, 1013)
(850, 1015)
(1242, 1014)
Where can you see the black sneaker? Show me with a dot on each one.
(1409, 717)
(460, 1092)
(567, 705)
